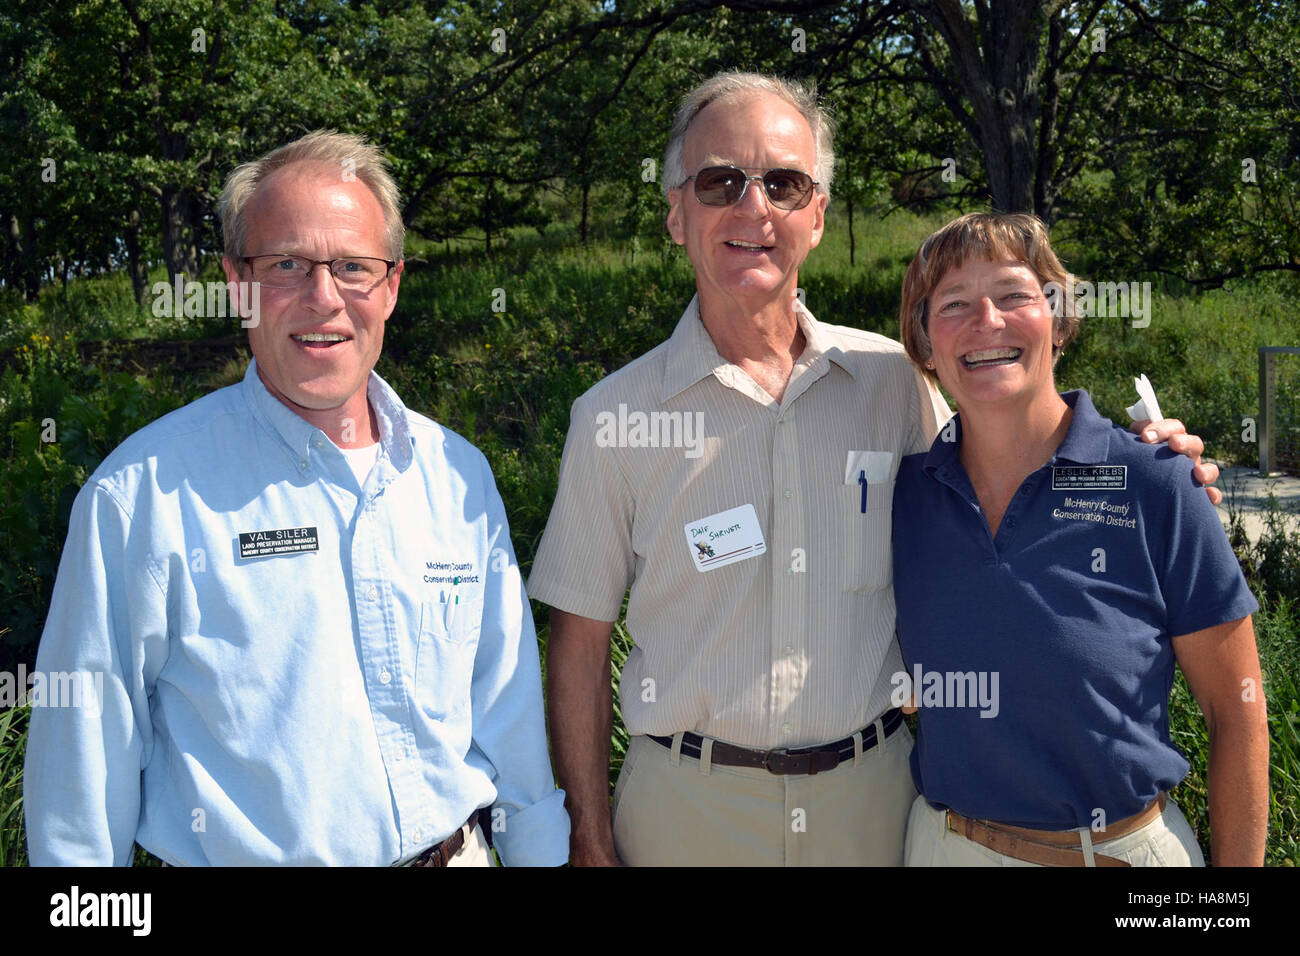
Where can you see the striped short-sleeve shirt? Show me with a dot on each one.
(793, 643)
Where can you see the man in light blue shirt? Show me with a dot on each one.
(296, 600)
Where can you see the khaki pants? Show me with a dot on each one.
(474, 851)
(1167, 840)
(674, 810)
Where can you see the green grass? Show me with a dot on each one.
(506, 380)
(13, 740)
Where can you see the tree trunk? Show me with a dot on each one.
(179, 250)
(848, 193)
(582, 227)
(26, 270)
(998, 75)
(134, 261)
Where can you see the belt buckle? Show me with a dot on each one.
(767, 756)
(818, 760)
(432, 857)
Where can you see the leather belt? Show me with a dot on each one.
(440, 853)
(804, 760)
(1049, 847)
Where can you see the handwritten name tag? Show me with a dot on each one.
(725, 538)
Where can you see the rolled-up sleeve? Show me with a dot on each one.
(529, 824)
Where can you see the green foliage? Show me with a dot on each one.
(1277, 634)
(58, 418)
(13, 745)
(1194, 189)
(1200, 353)
(491, 111)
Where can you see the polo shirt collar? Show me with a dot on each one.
(692, 356)
(1086, 441)
(391, 415)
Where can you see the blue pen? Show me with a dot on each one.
(862, 480)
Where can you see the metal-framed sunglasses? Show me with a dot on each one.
(726, 185)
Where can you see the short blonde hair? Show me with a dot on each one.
(996, 236)
(348, 152)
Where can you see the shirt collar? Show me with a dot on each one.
(391, 415)
(1087, 440)
(692, 355)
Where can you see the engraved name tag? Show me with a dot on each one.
(260, 544)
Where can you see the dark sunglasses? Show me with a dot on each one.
(726, 185)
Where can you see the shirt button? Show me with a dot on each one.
(373, 593)
(317, 442)
(786, 728)
(385, 677)
(304, 464)
(417, 835)
(788, 493)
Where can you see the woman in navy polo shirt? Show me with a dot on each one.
(1049, 569)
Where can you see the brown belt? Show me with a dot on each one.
(440, 853)
(804, 760)
(1049, 847)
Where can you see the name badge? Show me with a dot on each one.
(725, 538)
(1090, 478)
(261, 544)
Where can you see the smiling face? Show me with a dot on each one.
(991, 333)
(315, 345)
(747, 253)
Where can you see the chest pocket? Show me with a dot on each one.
(863, 546)
(444, 662)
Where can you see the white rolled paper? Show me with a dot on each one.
(1147, 406)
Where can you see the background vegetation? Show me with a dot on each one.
(1164, 148)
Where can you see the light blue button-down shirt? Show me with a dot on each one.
(348, 703)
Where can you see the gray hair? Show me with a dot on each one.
(351, 154)
(732, 85)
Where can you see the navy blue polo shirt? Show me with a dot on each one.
(1042, 659)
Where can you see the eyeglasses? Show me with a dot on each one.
(357, 273)
(726, 185)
